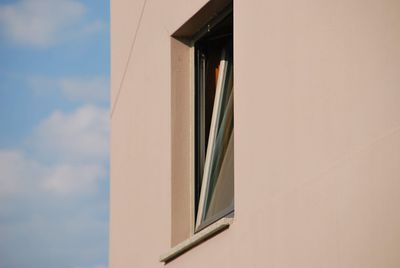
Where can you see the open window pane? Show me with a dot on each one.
(219, 196)
(214, 124)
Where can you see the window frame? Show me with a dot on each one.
(198, 205)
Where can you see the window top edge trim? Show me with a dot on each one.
(204, 27)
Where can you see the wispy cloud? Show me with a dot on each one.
(54, 140)
(42, 188)
(44, 23)
(73, 179)
(14, 169)
(93, 27)
(75, 137)
(21, 175)
(38, 230)
(66, 155)
(93, 89)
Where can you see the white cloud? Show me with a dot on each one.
(21, 175)
(15, 168)
(52, 210)
(94, 27)
(67, 155)
(42, 23)
(53, 232)
(41, 84)
(73, 179)
(81, 136)
(95, 89)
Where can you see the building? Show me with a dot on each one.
(314, 166)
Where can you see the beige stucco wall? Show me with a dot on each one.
(317, 135)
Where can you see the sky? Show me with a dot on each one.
(54, 130)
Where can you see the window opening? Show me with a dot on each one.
(214, 121)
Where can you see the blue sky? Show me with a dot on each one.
(54, 129)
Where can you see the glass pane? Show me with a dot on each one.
(208, 60)
(214, 124)
(219, 197)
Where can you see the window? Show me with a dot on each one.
(202, 131)
(214, 152)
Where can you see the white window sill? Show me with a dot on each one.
(196, 239)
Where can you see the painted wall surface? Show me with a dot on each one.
(317, 135)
